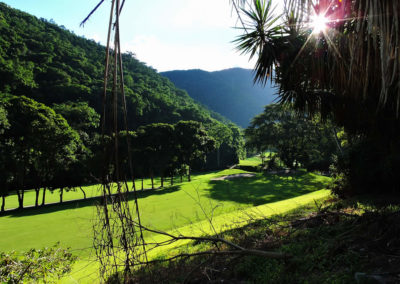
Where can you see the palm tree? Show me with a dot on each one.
(338, 58)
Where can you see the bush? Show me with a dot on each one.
(47, 265)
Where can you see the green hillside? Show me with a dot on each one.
(230, 92)
(45, 62)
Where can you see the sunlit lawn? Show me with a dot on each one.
(165, 209)
(54, 197)
(253, 161)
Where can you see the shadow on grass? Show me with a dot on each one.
(265, 188)
(73, 204)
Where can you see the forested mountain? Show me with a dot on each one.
(51, 85)
(51, 65)
(229, 92)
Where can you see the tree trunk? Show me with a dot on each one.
(133, 184)
(44, 196)
(189, 173)
(126, 185)
(152, 180)
(218, 158)
(3, 203)
(172, 180)
(162, 181)
(20, 199)
(181, 178)
(142, 185)
(84, 193)
(37, 190)
(61, 194)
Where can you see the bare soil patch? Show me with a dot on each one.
(229, 177)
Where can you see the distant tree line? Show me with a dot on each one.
(297, 140)
(60, 148)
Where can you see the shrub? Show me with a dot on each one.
(46, 265)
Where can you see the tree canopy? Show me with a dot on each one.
(349, 72)
(43, 61)
(297, 140)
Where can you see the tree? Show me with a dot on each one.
(80, 116)
(5, 174)
(229, 146)
(193, 143)
(297, 140)
(38, 142)
(348, 72)
(158, 144)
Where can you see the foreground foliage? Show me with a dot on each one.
(339, 242)
(47, 265)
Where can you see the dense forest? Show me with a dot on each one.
(230, 92)
(51, 65)
(50, 105)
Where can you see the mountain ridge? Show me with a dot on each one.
(230, 92)
(52, 65)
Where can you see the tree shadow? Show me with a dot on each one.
(264, 189)
(92, 201)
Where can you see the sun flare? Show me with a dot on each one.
(319, 23)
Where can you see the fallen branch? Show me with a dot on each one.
(239, 250)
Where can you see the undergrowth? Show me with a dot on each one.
(334, 242)
(43, 265)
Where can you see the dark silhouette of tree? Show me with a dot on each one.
(38, 142)
(348, 72)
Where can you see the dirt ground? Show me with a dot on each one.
(235, 176)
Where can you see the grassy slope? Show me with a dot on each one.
(54, 197)
(164, 209)
(86, 270)
(93, 190)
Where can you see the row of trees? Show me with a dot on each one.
(296, 140)
(61, 148)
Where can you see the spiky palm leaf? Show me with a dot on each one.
(354, 66)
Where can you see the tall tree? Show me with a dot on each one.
(297, 140)
(5, 174)
(193, 143)
(38, 141)
(345, 66)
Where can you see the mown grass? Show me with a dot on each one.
(86, 270)
(74, 194)
(166, 209)
(252, 161)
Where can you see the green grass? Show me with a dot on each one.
(75, 194)
(86, 270)
(252, 161)
(165, 209)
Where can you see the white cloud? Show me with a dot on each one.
(165, 56)
(205, 13)
(95, 37)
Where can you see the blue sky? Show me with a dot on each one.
(165, 34)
